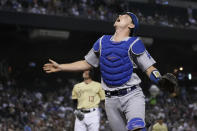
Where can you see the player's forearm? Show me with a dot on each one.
(75, 66)
(149, 70)
(153, 74)
(102, 104)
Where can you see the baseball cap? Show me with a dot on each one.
(134, 20)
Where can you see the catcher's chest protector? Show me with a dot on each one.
(115, 64)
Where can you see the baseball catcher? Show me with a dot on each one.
(118, 56)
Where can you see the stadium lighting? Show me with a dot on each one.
(181, 68)
(189, 76)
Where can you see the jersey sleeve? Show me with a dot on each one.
(144, 60)
(140, 55)
(101, 93)
(92, 57)
(74, 93)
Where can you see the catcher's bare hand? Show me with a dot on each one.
(51, 67)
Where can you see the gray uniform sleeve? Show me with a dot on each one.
(144, 61)
(92, 58)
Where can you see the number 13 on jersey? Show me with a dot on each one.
(91, 98)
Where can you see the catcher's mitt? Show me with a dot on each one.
(168, 82)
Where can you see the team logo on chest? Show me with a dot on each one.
(113, 57)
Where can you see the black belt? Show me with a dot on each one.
(120, 92)
(87, 110)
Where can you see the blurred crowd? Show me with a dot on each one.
(41, 105)
(30, 103)
(22, 109)
(33, 110)
(179, 113)
(92, 9)
(106, 10)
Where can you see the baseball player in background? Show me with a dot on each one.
(119, 55)
(160, 125)
(86, 97)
